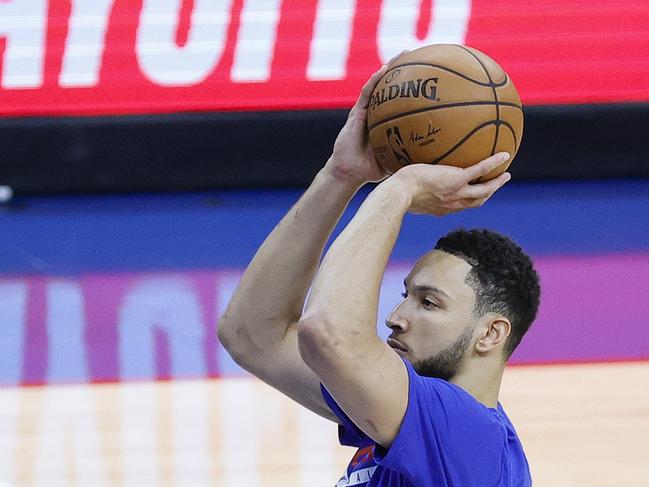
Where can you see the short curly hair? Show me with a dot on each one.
(502, 276)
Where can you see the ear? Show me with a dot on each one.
(495, 332)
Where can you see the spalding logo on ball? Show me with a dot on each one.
(444, 104)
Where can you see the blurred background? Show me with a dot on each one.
(149, 146)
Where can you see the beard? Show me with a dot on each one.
(445, 364)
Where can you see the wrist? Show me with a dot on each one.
(333, 169)
(337, 185)
(397, 190)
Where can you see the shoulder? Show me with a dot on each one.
(445, 429)
(445, 432)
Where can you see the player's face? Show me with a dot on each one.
(433, 326)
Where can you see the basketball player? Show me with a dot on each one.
(423, 408)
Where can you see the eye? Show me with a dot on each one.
(429, 304)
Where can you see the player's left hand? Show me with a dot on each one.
(353, 158)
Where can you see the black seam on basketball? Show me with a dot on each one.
(493, 148)
(484, 68)
(467, 136)
(457, 73)
(511, 129)
(438, 107)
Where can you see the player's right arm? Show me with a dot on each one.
(259, 326)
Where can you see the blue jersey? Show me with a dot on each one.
(447, 438)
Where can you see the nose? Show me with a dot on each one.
(395, 320)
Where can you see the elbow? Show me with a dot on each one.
(226, 333)
(236, 339)
(223, 332)
(226, 337)
(317, 340)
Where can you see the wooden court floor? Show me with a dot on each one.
(581, 425)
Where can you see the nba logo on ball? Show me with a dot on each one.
(444, 104)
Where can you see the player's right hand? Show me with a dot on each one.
(440, 190)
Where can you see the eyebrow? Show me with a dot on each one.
(430, 289)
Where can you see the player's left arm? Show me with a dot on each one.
(337, 335)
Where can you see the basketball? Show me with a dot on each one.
(444, 104)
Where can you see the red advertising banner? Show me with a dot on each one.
(99, 57)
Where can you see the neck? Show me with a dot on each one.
(481, 377)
